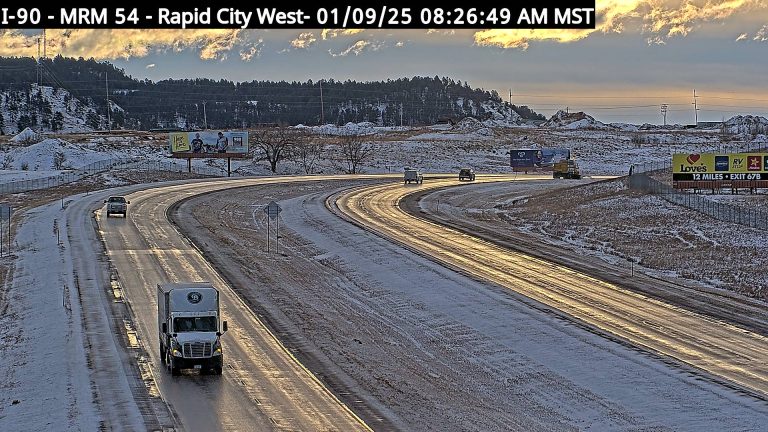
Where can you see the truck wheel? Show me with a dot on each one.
(175, 371)
(218, 370)
(172, 366)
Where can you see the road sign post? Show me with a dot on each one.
(5, 214)
(273, 211)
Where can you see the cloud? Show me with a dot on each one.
(358, 47)
(741, 37)
(109, 44)
(762, 34)
(660, 18)
(304, 40)
(332, 33)
(149, 66)
(444, 32)
(253, 50)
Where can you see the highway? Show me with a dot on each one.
(733, 354)
(263, 386)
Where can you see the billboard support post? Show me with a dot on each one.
(229, 167)
(189, 165)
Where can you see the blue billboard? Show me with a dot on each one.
(532, 158)
(525, 158)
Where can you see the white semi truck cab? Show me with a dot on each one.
(190, 326)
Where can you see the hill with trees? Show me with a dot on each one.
(65, 94)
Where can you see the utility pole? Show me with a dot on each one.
(39, 65)
(695, 109)
(109, 109)
(205, 117)
(664, 112)
(322, 106)
(401, 114)
(45, 44)
(510, 97)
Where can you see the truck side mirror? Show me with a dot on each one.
(165, 328)
(224, 326)
(105, 201)
(127, 202)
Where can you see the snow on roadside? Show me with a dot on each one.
(46, 384)
(61, 360)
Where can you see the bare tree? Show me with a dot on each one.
(354, 151)
(307, 151)
(59, 158)
(274, 144)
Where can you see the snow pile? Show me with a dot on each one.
(52, 154)
(362, 128)
(747, 124)
(626, 127)
(577, 120)
(468, 124)
(473, 126)
(27, 135)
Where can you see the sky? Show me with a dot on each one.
(642, 54)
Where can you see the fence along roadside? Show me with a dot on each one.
(19, 186)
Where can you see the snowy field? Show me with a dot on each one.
(600, 149)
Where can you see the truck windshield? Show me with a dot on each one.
(116, 199)
(196, 324)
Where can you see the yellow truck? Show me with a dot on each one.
(566, 168)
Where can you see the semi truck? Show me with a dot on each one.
(567, 168)
(190, 326)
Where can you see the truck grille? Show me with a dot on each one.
(197, 349)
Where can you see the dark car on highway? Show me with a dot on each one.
(467, 174)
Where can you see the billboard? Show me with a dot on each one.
(715, 166)
(209, 142)
(525, 158)
(531, 158)
(551, 155)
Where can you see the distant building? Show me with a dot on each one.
(709, 124)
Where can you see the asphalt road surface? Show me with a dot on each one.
(723, 350)
(263, 387)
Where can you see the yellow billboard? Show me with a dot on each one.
(714, 166)
(693, 163)
(180, 142)
(210, 142)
